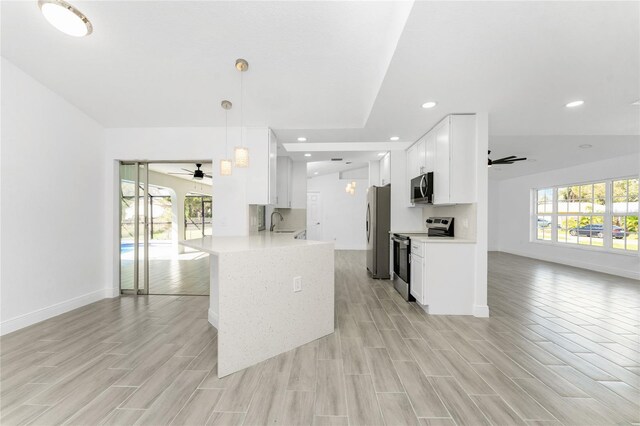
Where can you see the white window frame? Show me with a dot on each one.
(607, 217)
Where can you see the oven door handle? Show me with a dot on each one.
(403, 242)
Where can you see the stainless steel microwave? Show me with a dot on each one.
(422, 189)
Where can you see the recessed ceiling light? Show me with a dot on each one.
(315, 173)
(636, 102)
(65, 17)
(585, 146)
(429, 104)
(380, 154)
(307, 155)
(302, 139)
(394, 138)
(574, 104)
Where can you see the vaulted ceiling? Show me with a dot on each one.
(350, 71)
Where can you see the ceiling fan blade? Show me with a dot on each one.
(508, 161)
(173, 173)
(209, 176)
(505, 158)
(188, 171)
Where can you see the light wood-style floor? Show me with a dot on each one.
(561, 347)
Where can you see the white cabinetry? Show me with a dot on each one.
(385, 170)
(417, 273)
(442, 277)
(455, 160)
(261, 174)
(273, 167)
(284, 182)
(449, 151)
(412, 162)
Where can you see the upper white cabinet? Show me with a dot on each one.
(273, 167)
(385, 170)
(261, 174)
(413, 167)
(449, 151)
(284, 182)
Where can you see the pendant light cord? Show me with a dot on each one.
(241, 111)
(226, 133)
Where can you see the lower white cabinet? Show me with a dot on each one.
(417, 278)
(442, 278)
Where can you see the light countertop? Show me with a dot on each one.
(422, 237)
(260, 241)
(441, 240)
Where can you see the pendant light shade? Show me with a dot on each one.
(225, 167)
(241, 156)
(241, 153)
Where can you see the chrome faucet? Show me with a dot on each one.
(273, 224)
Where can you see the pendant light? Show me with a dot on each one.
(225, 164)
(241, 153)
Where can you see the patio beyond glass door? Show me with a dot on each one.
(134, 213)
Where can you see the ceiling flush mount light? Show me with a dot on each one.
(585, 146)
(315, 173)
(225, 163)
(241, 153)
(302, 139)
(307, 155)
(65, 17)
(636, 103)
(394, 138)
(574, 104)
(429, 104)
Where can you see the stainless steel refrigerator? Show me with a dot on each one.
(378, 221)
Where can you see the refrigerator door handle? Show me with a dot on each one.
(368, 221)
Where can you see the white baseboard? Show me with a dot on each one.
(111, 292)
(481, 311)
(30, 318)
(577, 264)
(213, 318)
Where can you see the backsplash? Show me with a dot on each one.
(293, 219)
(464, 215)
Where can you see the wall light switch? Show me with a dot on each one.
(297, 284)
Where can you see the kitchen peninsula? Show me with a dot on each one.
(269, 293)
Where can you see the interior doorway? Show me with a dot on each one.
(171, 198)
(314, 220)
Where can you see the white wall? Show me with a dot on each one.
(343, 215)
(494, 217)
(299, 185)
(513, 213)
(52, 250)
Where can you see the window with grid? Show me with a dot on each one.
(624, 218)
(600, 214)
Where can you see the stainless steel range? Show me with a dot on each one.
(437, 227)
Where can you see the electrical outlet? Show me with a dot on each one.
(297, 284)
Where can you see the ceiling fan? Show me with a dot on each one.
(197, 173)
(506, 160)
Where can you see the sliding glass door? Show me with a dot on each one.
(134, 214)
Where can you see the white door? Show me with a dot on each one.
(314, 218)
